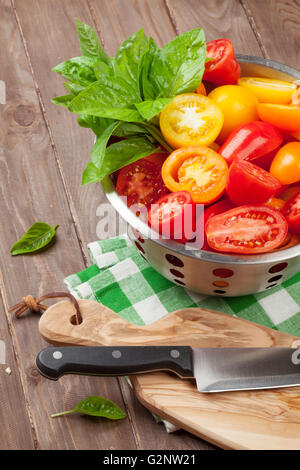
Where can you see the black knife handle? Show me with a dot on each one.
(114, 360)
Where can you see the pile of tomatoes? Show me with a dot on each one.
(236, 151)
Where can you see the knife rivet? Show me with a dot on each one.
(174, 353)
(116, 354)
(57, 355)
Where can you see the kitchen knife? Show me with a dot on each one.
(214, 369)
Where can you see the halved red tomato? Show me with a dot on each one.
(250, 184)
(141, 182)
(291, 211)
(223, 68)
(215, 209)
(247, 230)
(173, 216)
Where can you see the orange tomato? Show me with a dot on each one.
(199, 170)
(285, 165)
(201, 89)
(284, 116)
(238, 105)
(190, 119)
(275, 203)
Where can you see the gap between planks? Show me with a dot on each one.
(254, 28)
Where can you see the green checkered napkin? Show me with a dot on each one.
(123, 281)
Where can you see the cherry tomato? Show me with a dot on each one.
(237, 104)
(291, 211)
(250, 184)
(190, 119)
(284, 116)
(269, 90)
(201, 89)
(173, 216)
(250, 141)
(247, 230)
(199, 170)
(223, 68)
(216, 208)
(141, 182)
(289, 192)
(286, 163)
(275, 203)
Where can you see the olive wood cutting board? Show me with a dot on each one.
(264, 419)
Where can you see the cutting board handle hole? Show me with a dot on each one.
(73, 320)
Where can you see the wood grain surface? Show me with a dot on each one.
(43, 152)
(264, 419)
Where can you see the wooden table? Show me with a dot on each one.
(42, 154)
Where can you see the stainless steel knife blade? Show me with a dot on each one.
(233, 369)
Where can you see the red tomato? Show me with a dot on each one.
(215, 209)
(141, 182)
(223, 69)
(173, 216)
(247, 230)
(291, 211)
(250, 141)
(250, 184)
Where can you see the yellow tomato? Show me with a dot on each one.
(190, 119)
(286, 163)
(237, 104)
(269, 90)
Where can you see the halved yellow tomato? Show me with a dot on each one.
(238, 106)
(284, 116)
(269, 90)
(199, 170)
(190, 119)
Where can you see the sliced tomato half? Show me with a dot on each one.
(247, 230)
(222, 68)
(174, 216)
(250, 184)
(292, 212)
(212, 210)
(141, 182)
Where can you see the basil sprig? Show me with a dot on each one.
(37, 236)
(96, 406)
(123, 95)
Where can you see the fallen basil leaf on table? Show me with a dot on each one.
(37, 236)
(96, 406)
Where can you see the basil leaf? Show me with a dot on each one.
(109, 97)
(118, 155)
(89, 42)
(99, 148)
(179, 66)
(101, 68)
(78, 70)
(96, 406)
(97, 124)
(73, 88)
(129, 129)
(147, 88)
(64, 100)
(148, 109)
(36, 237)
(128, 59)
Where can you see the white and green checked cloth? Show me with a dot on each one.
(123, 281)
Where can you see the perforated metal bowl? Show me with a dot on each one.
(206, 272)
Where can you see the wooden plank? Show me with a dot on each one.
(279, 33)
(219, 19)
(15, 430)
(32, 189)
